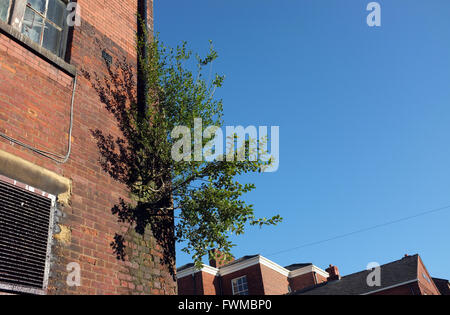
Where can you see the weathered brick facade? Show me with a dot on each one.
(35, 97)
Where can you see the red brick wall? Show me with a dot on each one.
(261, 280)
(427, 287)
(34, 108)
(191, 285)
(254, 280)
(211, 284)
(320, 278)
(301, 282)
(202, 283)
(407, 289)
(274, 282)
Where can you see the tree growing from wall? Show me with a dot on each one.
(196, 203)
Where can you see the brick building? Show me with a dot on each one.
(249, 275)
(443, 285)
(256, 275)
(407, 276)
(56, 215)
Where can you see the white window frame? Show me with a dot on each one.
(239, 292)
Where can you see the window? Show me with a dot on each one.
(25, 229)
(4, 9)
(240, 286)
(43, 21)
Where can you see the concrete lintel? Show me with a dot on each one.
(36, 176)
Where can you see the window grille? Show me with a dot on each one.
(26, 219)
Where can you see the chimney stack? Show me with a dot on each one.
(219, 260)
(333, 272)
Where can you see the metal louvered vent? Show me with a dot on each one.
(24, 232)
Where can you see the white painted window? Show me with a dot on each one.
(240, 286)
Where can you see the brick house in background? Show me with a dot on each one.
(249, 275)
(443, 285)
(54, 214)
(256, 275)
(407, 276)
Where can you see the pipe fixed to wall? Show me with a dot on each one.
(142, 84)
(52, 156)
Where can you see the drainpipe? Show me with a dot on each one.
(220, 285)
(195, 283)
(142, 87)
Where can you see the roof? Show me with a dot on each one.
(185, 267)
(297, 266)
(236, 261)
(392, 274)
(247, 261)
(443, 285)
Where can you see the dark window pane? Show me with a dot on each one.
(4, 6)
(32, 25)
(55, 12)
(38, 5)
(240, 286)
(52, 38)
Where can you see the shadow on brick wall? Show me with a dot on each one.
(119, 158)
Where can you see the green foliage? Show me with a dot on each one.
(204, 197)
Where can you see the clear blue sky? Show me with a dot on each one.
(364, 118)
